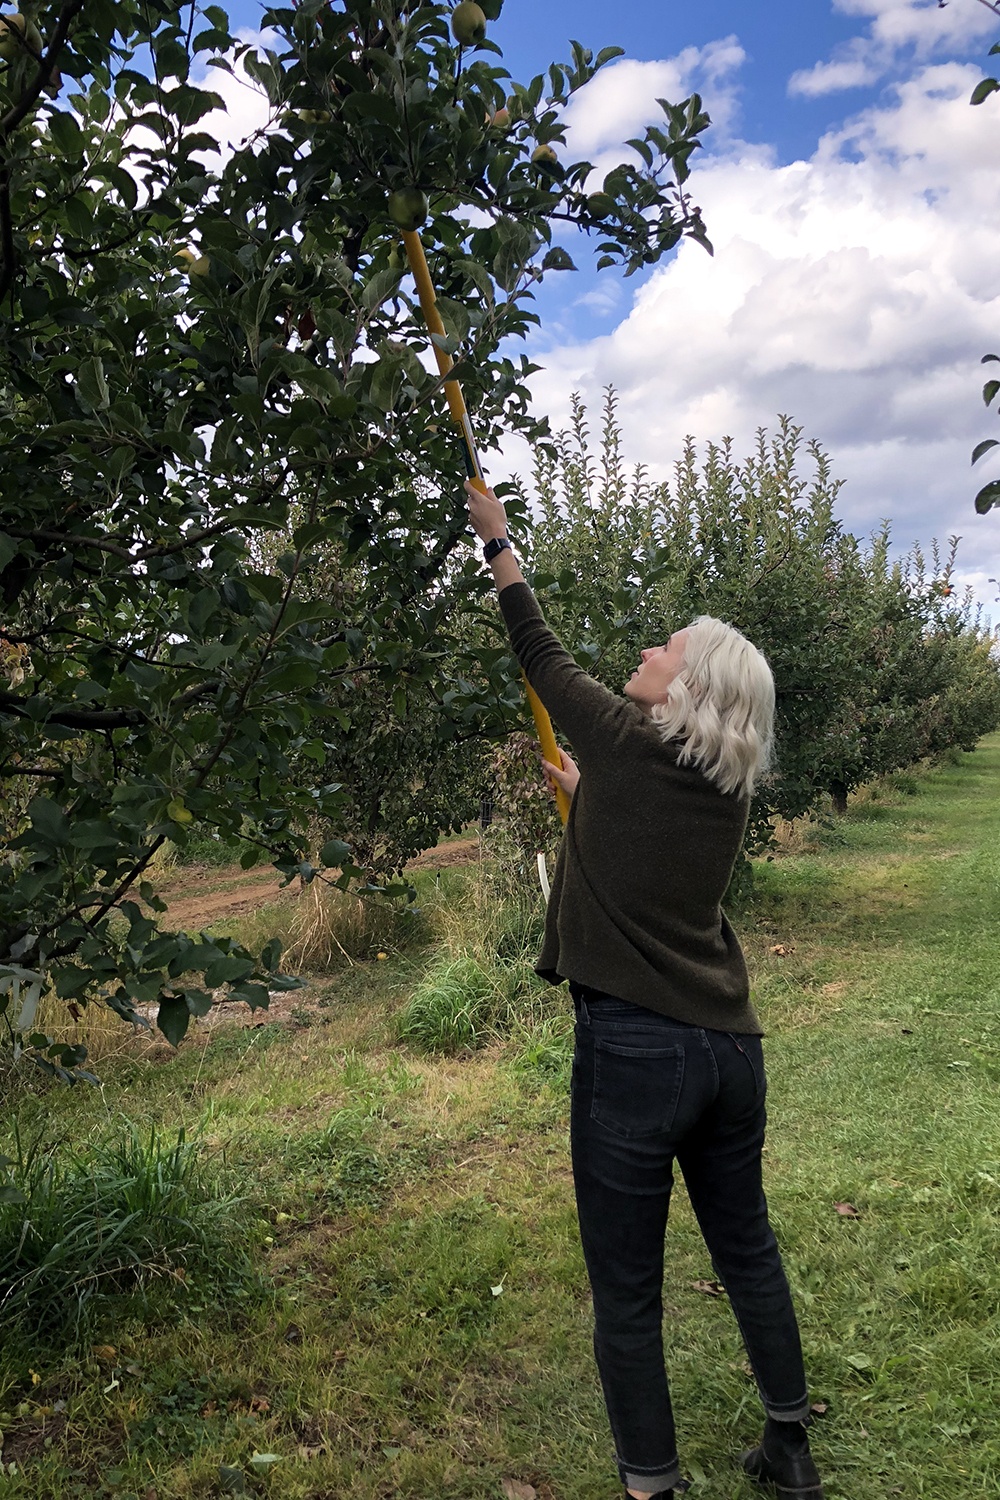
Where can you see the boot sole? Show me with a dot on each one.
(750, 1462)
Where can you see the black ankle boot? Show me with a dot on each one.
(783, 1462)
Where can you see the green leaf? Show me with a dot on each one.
(173, 1018)
(271, 954)
(334, 852)
(983, 89)
(984, 447)
(67, 137)
(92, 385)
(49, 820)
(989, 391)
(382, 285)
(988, 496)
(558, 259)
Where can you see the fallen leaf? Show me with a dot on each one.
(835, 987)
(149, 1493)
(847, 1211)
(264, 1461)
(819, 1408)
(293, 1334)
(259, 1403)
(307, 1452)
(233, 1481)
(779, 949)
(514, 1490)
(710, 1288)
(210, 1409)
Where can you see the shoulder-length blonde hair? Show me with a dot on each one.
(721, 705)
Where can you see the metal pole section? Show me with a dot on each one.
(460, 416)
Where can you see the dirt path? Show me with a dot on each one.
(199, 895)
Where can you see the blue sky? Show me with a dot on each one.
(852, 196)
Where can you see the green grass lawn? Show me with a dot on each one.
(418, 1323)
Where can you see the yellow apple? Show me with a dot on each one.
(14, 32)
(545, 157)
(468, 23)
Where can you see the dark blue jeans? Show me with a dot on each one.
(648, 1090)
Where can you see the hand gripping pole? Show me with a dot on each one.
(460, 416)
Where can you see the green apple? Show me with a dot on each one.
(468, 24)
(12, 29)
(408, 207)
(601, 205)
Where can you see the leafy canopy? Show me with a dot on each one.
(201, 346)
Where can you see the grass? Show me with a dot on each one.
(429, 1333)
(132, 1223)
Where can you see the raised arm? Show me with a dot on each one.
(583, 708)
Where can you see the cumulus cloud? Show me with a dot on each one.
(245, 106)
(854, 291)
(898, 30)
(622, 98)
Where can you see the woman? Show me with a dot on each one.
(668, 1063)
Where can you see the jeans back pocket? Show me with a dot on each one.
(636, 1088)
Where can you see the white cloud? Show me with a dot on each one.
(246, 108)
(898, 29)
(621, 100)
(855, 291)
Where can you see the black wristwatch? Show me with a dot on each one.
(494, 548)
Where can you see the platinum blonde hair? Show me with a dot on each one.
(721, 704)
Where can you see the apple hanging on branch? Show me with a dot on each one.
(468, 24)
(408, 207)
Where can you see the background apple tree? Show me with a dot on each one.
(878, 662)
(203, 348)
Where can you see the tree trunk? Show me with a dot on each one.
(838, 795)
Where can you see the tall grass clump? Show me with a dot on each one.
(481, 986)
(136, 1218)
(463, 1003)
(331, 928)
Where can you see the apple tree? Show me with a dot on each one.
(204, 343)
(877, 663)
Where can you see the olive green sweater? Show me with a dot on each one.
(647, 854)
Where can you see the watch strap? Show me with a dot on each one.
(495, 547)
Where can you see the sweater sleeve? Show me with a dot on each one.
(586, 711)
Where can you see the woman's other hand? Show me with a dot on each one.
(489, 519)
(566, 776)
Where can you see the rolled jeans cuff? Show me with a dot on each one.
(651, 1481)
(796, 1413)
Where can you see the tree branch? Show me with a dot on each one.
(99, 718)
(10, 121)
(75, 718)
(160, 549)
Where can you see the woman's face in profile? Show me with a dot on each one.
(660, 665)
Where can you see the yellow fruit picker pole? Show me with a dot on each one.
(460, 416)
